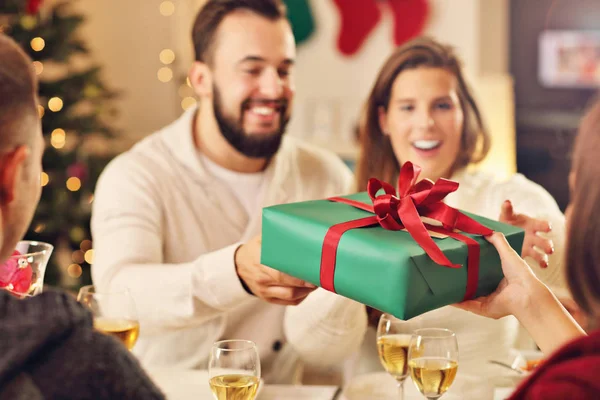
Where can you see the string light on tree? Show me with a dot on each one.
(73, 184)
(44, 179)
(55, 104)
(89, 256)
(74, 270)
(39, 228)
(28, 22)
(78, 257)
(37, 44)
(77, 234)
(86, 245)
(58, 138)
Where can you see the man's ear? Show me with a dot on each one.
(11, 170)
(201, 79)
(383, 125)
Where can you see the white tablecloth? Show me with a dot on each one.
(193, 385)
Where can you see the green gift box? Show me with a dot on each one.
(382, 268)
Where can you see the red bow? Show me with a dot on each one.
(394, 212)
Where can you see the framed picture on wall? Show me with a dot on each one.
(569, 59)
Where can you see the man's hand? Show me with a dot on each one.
(532, 241)
(266, 283)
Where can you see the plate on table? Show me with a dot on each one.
(184, 384)
(381, 386)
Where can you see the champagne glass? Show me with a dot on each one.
(433, 361)
(22, 274)
(393, 339)
(114, 313)
(234, 370)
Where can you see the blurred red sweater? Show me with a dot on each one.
(573, 372)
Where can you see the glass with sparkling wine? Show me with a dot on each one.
(433, 361)
(393, 339)
(234, 370)
(114, 313)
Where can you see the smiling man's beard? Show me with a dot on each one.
(254, 146)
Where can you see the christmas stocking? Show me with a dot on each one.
(409, 18)
(358, 18)
(301, 19)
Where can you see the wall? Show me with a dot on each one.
(547, 118)
(330, 87)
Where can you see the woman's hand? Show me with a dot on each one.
(534, 246)
(514, 292)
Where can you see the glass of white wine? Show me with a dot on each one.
(393, 339)
(114, 313)
(433, 361)
(234, 370)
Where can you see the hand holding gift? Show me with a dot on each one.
(514, 292)
(266, 283)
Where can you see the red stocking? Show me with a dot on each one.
(358, 20)
(409, 18)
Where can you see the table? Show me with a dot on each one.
(193, 385)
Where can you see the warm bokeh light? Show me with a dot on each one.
(39, 228)
(187, 82)
(74, 270)
(73, 184)
(58, 138)
(78, 256)
(37, 44)
(44, 179)
(167, 56)
(89, 256)
(41, 110)
(77, 234)
(188, 102)
(39, 67)
(55, 104)
(28, 22)
(165, 74)
(86, 245)
(167, 8)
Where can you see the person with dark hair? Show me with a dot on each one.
(48, 347)
(177, 218)
(420, 109)
(571, 369)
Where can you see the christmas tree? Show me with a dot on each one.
(75, 105)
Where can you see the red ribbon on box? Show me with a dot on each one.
(392, 212)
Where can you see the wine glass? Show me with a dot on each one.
(393, 339)
(433, 361)
(22, 274)
(234, 370)
(114, 313)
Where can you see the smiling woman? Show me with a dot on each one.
(420, 109)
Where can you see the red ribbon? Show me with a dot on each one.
(404, 211)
